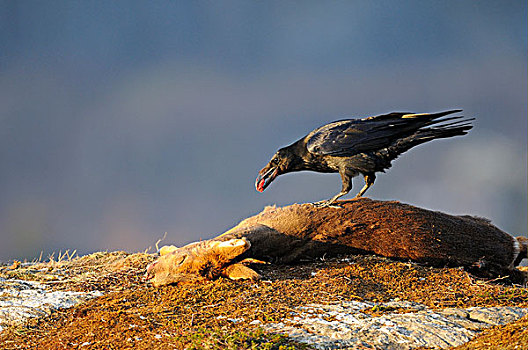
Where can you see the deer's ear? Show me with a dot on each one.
(240, 272)
(167, 249)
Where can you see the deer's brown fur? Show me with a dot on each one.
(390, 229)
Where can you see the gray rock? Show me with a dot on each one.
(345, 325)
(494, 315)
(20, 300)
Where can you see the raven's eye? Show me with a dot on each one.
(275, 161)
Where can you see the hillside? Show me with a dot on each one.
(229, 314)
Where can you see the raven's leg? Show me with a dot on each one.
(369, 181)
(346, 187)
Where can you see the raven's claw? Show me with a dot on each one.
(326, 204)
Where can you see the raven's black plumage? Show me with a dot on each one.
(360, 146)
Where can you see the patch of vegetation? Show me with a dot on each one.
(217, 339)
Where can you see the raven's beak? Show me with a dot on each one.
(265, 177)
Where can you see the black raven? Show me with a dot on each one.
(360, 146)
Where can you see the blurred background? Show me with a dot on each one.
(123, 120)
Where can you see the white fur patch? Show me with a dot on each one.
(516, 251)
(232, 243)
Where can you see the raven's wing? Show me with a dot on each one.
(349, 137)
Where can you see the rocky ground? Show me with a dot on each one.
(361, 302)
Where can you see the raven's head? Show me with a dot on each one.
(280, 163)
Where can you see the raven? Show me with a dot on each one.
(360, 146)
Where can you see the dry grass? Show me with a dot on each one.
(512, 336)
(220, 314)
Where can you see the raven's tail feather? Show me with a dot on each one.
(457, 127)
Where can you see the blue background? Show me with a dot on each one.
(122, 120)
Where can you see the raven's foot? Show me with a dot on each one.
(326, 204)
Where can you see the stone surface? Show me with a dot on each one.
(20, 300)
(349, 325)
